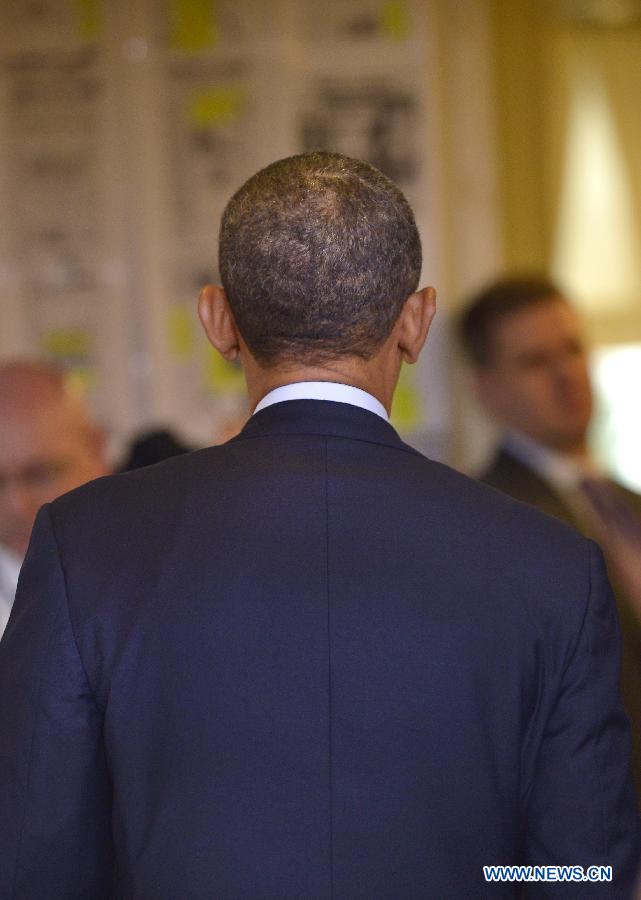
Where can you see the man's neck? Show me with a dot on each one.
(577, 451)
(372, 379)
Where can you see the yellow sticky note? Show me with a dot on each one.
(192, 25)
(66, 343)
(395, 21)
(82, 379)
(407, 408)
(182, 331)
(222, 377)
(89, 18)
(215, 106)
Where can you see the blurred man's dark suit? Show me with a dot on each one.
(518, 480)
(308, 663)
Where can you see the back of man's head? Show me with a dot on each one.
(48, 444)
(317, 255)
(493, 304)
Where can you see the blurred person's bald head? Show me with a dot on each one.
(48, 445)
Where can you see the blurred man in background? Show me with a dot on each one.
(48, 445)
(525, 342)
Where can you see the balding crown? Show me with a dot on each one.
(29, 384)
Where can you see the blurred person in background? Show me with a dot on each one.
(48, 445)
(152, 447)
(525, 342)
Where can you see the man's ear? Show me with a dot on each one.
(414, 323)
(218, 321)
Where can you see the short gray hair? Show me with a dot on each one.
(317, 254)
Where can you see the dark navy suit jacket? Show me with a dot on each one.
(308, 663)
(509, 474)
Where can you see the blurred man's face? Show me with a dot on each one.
(537, 380)
(44, 452)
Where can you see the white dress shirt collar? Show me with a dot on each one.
(559, 470)
(9, 571)
(324, 390)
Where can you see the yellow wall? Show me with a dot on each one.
(519, 39)
(536, 56)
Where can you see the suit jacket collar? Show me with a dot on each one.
(514, 477)
(322, 417)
